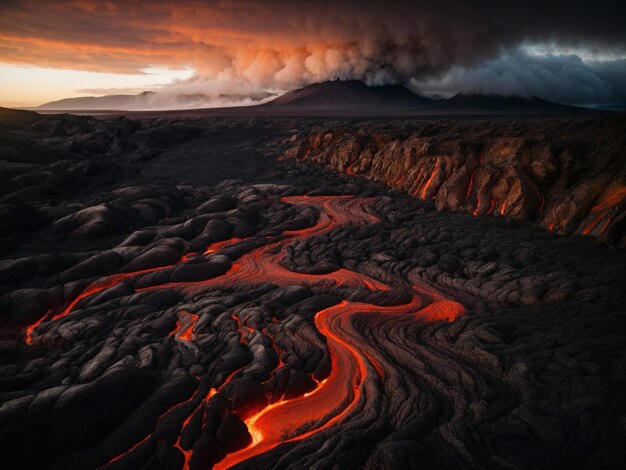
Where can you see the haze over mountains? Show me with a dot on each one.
(148, 100)
(350, 96)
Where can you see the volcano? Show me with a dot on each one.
(478, 104)
(350, 94)
(339, 98)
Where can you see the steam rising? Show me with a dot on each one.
(248, 48)
(561, 78)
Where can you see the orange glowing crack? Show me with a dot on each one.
(469, 186)
(184, 326)
(244, 331)
(338, 395)
(149, 436)
(186, 453)
(419, 175)
(589, 228)
(323, 405)
(475, 213)
(213, 247)
(110, 281)
(100, 285)
(30, 329)
(610, 198)
(430, 180)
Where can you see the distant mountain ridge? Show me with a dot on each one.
(340, 98)
(99, 102)
(472, 103)
(147, 100)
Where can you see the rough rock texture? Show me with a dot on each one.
(568, 176)
(157, 315)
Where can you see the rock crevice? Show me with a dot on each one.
(572, 185)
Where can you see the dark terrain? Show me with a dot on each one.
(183, 292)
(565, 175)
(333, 99)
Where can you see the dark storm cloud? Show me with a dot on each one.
(564, 78)
(280, 44)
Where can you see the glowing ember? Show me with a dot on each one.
(223, 244)
(475, 213)
(30, 329)
(185, 325)
(469, 187)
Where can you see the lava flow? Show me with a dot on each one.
(352, 367)
(355, 364)
(100, 285)
(340, 395)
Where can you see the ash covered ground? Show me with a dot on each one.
(198, 292)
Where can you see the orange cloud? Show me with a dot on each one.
(282, 43)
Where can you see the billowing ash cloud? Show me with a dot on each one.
(249, 47)
(565, 78)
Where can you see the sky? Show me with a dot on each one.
(240, 51)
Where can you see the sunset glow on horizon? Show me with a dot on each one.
(20, 86)
(232, 52)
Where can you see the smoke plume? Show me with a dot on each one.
(247, 48)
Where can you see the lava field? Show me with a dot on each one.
(249, 292)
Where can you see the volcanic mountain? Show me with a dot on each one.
(350, 94)
(332, 98)
(470, 103)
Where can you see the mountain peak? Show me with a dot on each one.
(476, 103)
(350, 94)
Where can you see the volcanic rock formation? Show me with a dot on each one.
(567, 176)
(350, 94)
(156, 314)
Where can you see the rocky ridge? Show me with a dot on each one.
(566, 176)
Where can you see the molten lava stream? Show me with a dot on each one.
(262, 264)
(98, 286)
(113, 280)
(355, 365)
(330, 402)
(352, 367)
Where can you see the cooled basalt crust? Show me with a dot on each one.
(156, 315)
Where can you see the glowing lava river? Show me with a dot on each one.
(362, 372)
